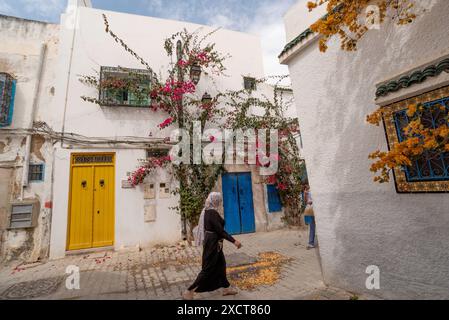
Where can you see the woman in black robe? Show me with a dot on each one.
(213, 273)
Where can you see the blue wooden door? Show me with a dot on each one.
(274, 200)
(231, 203)
(238, 203)
(246, 203)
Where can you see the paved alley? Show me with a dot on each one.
(164, 273)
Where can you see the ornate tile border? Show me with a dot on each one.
(304, 35)
(415, 77)
(402, 185)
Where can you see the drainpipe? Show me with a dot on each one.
(69, 73)
(50, 206)
(37, 89)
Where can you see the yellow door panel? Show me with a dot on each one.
(80, 223)
(91, 208)
(103, 213)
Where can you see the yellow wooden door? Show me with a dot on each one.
(91, 213)
(80, 230)
(103, 221)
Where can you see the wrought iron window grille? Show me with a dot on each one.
(36, 172)
(430, 173)
(113, 93)
(431, 166)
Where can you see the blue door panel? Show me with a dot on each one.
(246, 203)
(231, 204)
(274, 200)
(238, 203)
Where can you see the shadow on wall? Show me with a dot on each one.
(404, 235)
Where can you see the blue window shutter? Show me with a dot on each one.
(2, 87)
(274, 200)
(7, 93)
(3, 102)
(11, 104)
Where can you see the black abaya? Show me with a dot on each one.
(213, 273)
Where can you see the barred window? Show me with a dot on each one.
(430, 172)
(125, 87)
(249, 83)
(36, 173)
(157, 152)
(432, 165)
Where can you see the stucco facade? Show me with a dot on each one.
(28, 53)
(53, 122)
(361, 223)
(84, 48)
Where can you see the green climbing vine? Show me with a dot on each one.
(176, 96)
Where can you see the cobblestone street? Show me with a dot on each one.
(164, 273)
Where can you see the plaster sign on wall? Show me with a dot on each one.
(150, 213)
(149, 191)
(164, 190)
(126, 184)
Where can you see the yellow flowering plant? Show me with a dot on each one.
(420, 139)
(349, 19)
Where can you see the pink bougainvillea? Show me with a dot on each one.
(281, 186)
(166, 123)
(138, 176)
(203, 57)
(176, 89)
(159, 162)
(114, 83)
(271, 179)
(154, 94)
(183, 63)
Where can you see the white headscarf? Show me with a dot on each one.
(213, 201)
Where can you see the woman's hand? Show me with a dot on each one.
(237, 244)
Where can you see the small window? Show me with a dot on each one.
(125, 87)
(249, 83)
(157, 153)
(7, 93)
(36, 173)
(274, 200)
